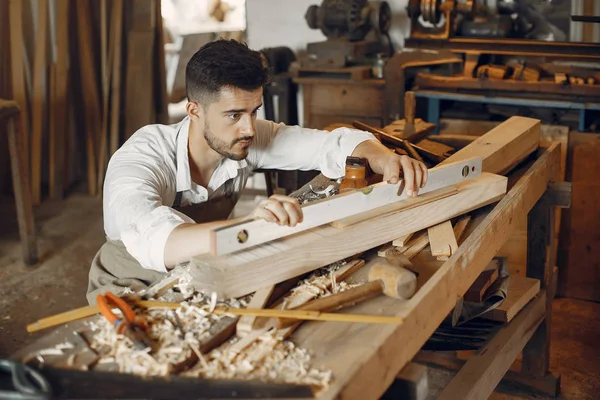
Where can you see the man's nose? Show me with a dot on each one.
(247, 128)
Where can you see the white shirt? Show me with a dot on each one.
(146, 173)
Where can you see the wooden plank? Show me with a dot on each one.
(442, 239)
(520, 291)
(482, 283)
(416, 245)
(245, 233)
(39, 100)
(19, 93)
(233, 275)
(410, 384)
(259, 300)
(484, 370)
(504, 146)
(60, 103)
(403, 241)
(116, 90)
(139, 95)
(365, 368)
(89, 85)
(22, 193)
(406, 204)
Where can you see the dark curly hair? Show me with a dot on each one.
(224, 63)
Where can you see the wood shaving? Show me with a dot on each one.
(268, 358)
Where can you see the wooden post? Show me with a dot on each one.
(540, 233)
(21, 185)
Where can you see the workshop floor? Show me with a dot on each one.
(70, 232)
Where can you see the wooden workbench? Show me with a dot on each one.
(365, 359)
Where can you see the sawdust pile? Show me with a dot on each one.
(180, 334)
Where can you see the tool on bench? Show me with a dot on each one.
(355, 176)
(130, 325)
(28, 383)
(384, 278)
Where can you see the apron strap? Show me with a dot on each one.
(177, 202)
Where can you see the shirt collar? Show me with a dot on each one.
(184, 179)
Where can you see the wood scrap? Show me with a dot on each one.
(560, 78)
(259, 300)
(403, 241)
(520, 291)
(482, 283)
(434, 151)
(442, 240)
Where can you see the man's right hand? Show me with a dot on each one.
(283, 210)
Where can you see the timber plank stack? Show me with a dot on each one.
(73, 103)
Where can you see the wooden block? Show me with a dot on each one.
(416, 245)
(504, 146)
(456, 141)
(259, 300)
(442, 239)
(433, 150)
(482, 283)
(403, 241)
(520, 291)
(411, 383)
(560, 78)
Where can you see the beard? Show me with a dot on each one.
(223, 148)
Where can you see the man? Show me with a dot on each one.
(167, 186)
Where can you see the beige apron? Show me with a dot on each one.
(114, 269)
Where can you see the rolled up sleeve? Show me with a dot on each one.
(296, 148)
(137, 208)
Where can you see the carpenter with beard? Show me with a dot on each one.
(169, 185)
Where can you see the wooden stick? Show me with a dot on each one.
(273, 313)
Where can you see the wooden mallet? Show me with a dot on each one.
(384, 278)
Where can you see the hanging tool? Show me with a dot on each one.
(130, 325)
(390, 138)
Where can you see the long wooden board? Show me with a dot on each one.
(366, 359)
(504, 146)
(248, 233)
(244, 272)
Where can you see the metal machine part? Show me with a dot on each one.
(354, 31)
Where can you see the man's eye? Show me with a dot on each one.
(234, 116)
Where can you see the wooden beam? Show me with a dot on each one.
(90, 90)
(240, 235)
(504, 146)
(484, 370)
(39, 100)
(364, 369)
(115, 92)
(259, 300)
(19, 93)
(244, 272)
(60, 103)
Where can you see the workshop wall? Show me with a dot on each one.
(272, 23)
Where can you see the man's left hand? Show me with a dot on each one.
(412, 171)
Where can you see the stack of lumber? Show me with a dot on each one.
(85, 78)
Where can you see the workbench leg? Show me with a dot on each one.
(540, 248)
(433, 113)
(22, 193)
(581, 127)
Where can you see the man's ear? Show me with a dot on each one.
(195, 111)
